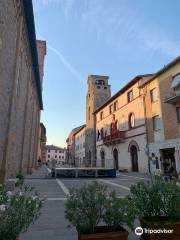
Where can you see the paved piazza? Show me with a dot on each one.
(52, 225)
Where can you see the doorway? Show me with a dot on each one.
(134, 158)
(115, 157)
(168, 163)
(102, 159)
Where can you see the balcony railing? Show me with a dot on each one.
(113, 138)
(173, 98)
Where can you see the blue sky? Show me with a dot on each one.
(118, 38)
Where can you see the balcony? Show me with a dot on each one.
(173, 98)
(114, 138)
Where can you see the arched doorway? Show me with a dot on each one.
(89, 158)
(115, 157)
(103, 158)
(134, 158)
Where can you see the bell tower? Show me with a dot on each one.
(98, 93)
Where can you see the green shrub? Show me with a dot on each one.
(155, 199)
(18, 210)
(92, 204)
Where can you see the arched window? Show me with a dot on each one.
(131, 120)
(102, 133)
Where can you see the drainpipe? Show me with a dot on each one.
(147, 140)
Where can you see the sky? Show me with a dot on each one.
(117, 38)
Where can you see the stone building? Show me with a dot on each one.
(20, 89)
(55, 153)
(121, 130)
(99, 91)
(70, 141)
(162, 106)
(42, 144)
(79, 138)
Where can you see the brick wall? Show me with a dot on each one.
(19, 104)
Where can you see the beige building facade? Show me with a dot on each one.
(162, 103)
(79, 138)
(121, 130)
(20, 89)
(54, 153)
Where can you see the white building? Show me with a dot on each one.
(55, 153)
(80, 147)
(121, 130)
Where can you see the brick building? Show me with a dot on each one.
(42, 144)
(20, 89)
(99, 91)
(162, 106)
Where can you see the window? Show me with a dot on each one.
(89, 113)
(105, 87)
(156, 123)
(62, 157)
(130, 96)
(59, 157)
(153, 95)
(55, 151)
(55, 156)
(115, 105)
(48, 150)
(48, 156)
(111, 108)
(131, 120)
(101, 115)
(178, 114)
(176, 82)
(100, 82)
(102, 133)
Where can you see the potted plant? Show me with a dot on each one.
(18, 209)
(157, 205)
(96, 213)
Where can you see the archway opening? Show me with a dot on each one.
(102, 158)
(115, 157)
(134, 158)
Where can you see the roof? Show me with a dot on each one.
(43, 127)
(29, 17)
(128, 85)
(53, 147)
(83, 126)
(97, 76)
(162, 70)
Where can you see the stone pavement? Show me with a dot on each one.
(52, 224)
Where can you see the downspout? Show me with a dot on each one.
(147, 139)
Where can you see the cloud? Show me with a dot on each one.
(65, 5)
(124, 27)
(63, 60)
(66, 63)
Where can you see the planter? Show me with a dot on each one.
(161, 224)
(103, 233)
